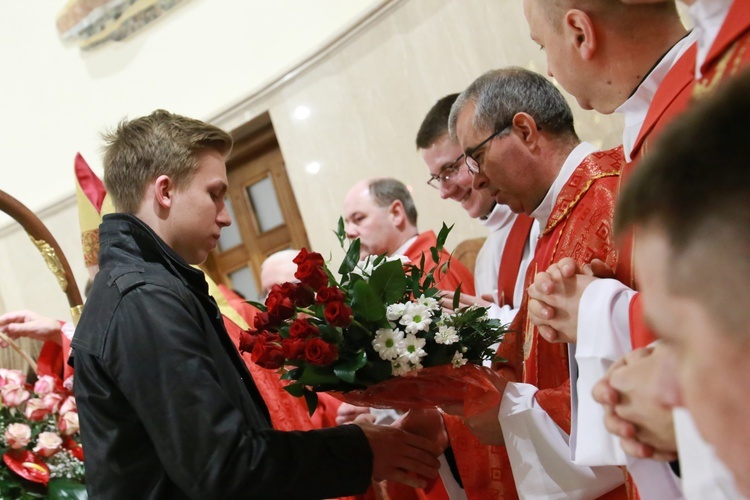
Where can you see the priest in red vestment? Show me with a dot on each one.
(526, 153)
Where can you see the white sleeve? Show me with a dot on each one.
(68, 329)
(540, 455)
(603, 338)
(703, 474)
(504, 313)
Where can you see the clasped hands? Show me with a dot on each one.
(633, 411)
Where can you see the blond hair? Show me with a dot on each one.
(162, 143)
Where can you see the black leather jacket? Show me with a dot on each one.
(168, 408)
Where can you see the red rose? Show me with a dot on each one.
(302, 328)
(310, 269)
(262, 321)
(338, 314)
(247, 340)
(293, 348)
(319, 352)
(267, 351)
(280, 306)
(305, 256)
(329, 294)
(301, 295)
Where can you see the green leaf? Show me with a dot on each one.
(351, 259)
(295, 390)
(457, 297)
(61, 488)
(435, 254)
(442, 236)
(258, 305)
(292, 374)
(340, 232)
(317, 375)
(347, 371)
(366, 303)
(311, 398)
(389, 281)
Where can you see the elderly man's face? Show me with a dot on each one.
(373, 225)
(440, 158)
(711, 368)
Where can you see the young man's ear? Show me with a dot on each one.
(163, 191)
(580, 33)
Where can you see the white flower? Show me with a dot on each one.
(47, 444)
(416, 317)
(365, 266)
(400, 367)
(446, 335)
(395, 311)
(388, 343)
(413, 348)
(429, 302)
(458, 360)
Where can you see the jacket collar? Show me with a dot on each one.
(130, 239)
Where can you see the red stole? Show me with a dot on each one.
(458, 274)
(511, 259)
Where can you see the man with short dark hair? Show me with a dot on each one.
(167, 406)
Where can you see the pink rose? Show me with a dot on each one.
(35, 410)
(52, 401)
(13, 394)
(68, 405)
(47, 444)
(68, 423)
(11, 377)
(44, 385)
(18, 435)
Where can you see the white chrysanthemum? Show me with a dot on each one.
(395, 311)
(446, 335)
(458, 360)
(429, 302)
(414, 348)
(400, 367)
(416, 317)
(388, 343)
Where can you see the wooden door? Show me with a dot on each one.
(265, 216)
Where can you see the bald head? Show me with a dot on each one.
(278, 268)
(616, 15)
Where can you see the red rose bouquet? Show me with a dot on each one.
(42, 454)
(376, 336)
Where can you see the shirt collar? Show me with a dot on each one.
(500, 216)
(636, 107)
(403, 248)
(575, 158)
(708, 16)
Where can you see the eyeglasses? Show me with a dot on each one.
(471, 163)
(446, 173)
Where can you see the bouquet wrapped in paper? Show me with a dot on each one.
(376, 335)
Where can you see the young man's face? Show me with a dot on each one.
(375, 226)
(198, 212)
(440, 158)
(711, 369)
(563, 61)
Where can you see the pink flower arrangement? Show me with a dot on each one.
(38, 434)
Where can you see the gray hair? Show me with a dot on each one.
(500, 94)
(385, 191)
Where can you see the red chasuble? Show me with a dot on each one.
(729, 54)
(580, 226)
(457, 272)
